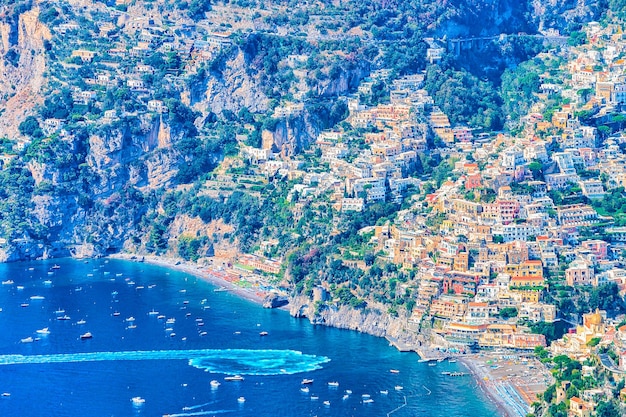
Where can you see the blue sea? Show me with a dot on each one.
(164, 335)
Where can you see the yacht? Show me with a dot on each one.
(233, 378)
(333, 384)
(27, 340)
(314, 397)
(170, 321)
(399, 387)
(47, 282)
(327, 403)
(130, 319)
(368, 401)
(394, 371)
(45, 330)
(81, 322)
(384, 391)
(8, 282)
(20, 288)
(87, 335)
(304, 389)
(138, 401)
(66, 317)
(307, 381)
(116, 313)
(215, 384)
(263, 334)
(241, 400)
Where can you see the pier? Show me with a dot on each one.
(401, 346)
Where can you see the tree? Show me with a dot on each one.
(30, 127)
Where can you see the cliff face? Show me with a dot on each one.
(373, 320)
(22, 65)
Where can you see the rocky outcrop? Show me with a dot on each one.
(372, 320)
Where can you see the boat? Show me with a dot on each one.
(138, 401)
(66, 317)
(60, 311)
(398, 387)
(116, 313)
(20, 288)
(384, 391)
(432, 364)
(233, 378)
(78, 289)
(307, 381)
(365, 396)
(333, 384)
(241, 400)
(24, 305)
(203, 333)
(81, 322)
(314, 397)
(87, 335)
(47, 282)
(45, 330)
(200, 323)
(215, 384)
(188, 315)
(304, 389)
(170, 321)
(131, 326)
(8, 282)
(220, 289)
(368, 401)
(114, 293)
(263, 334)
(6, 394)
(199, 320)
(452, 360)
(394, 371)
(346, 396)
(55, 266)
(160, 317)
(172, 334)
(153, 313)
(27, 340)
(139, 287)
(327, 403)
(348, 391)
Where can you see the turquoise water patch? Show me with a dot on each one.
(226, 361)
(258, 362)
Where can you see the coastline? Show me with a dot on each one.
(511, 396)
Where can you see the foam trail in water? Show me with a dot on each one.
(199, 413)
(195, 407)
(227, 361)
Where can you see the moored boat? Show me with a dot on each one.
(138, 401)
(307, 381)
(27, 340)
(45, 330)
(233, 378)
(333, 384)
(215, 384)
(241, 400)
(87, 335)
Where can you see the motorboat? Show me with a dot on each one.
(263, 334)
(27, 340)
(304, 389)
(55, 266)
(60, 311)
(47, 282)
(241, 400)
(8, 282)
(233, 378)
(368, 401)
(116, 313)
(399, 387)
(45, 330)
(153, 313)
(138, 401)
(85, 336)
(81, 322)
(130, 319)
(327, 403)
(333, 384)
(215, 384)
(65, 317)
(170, 321)
(394, 371)
(346, 396)
(307, 381)
(384, 391)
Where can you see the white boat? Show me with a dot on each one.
(215, 384)
(24, 305)
(384, 391)
(203, 333)
(81, 322)
(60, 311)
(55, 266)
(327, 403)
(116, 313)
(314, 397)
(241, 400)
(153, 313)
(307, 381)
(160, 317)
(87, 335)
(346, 396)
(138, 401)
(233, 378)
(20, 288)
(365, 396)
(333, 384)
(66, 317)
(263, 334)
(399, 387)
(304, 389)
(348, 391)
(394, 371)
(47, 282)
(27, 340)
(45, 330)
(130, 319)
(368, 401)
(131, 326)
(170, 321)
(8, 282)
(6, 394)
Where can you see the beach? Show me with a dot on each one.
(509, 380)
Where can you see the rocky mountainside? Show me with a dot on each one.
(114, 113)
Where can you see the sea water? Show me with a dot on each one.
(202, 335)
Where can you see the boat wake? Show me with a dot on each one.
(225, 361)
(199, 413)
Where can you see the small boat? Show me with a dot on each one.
(186, 302)
(47, 282)
(138, 401)
(114, 293)
(199, 320)
(384, 391)
(153, 313)
(203, 333)
(394, 371)
(233, 378)
(169, 329)
(131, 283)
(60, 311)
(307, 381)
(66, 317)
(131, 326)
(24, 305)
(241, 400)
(398, 387)
(365, 396)
(220, 289)
(327, 403)
(172, 334)
(116, 313)
(170, 321)
(452, 360)
(304, 389)
(139, 287)
(215, 384)
(85, 336)
(78, 289)
(314, 397)
(188, 315)
(81, 322)
(161, 317)
(130, 319)
(348, 391)
(200, 323)
(45, 330)
(333, 384)
(119, 274)
(182, 291)
(432, 364)
(27, 340)
(55, 266)
(6, 394)
(263, 334)
(20, 288)
(8, 282)
(345, 397)
(368, 401)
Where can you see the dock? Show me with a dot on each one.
(401, 346)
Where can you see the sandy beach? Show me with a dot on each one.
(203, 272)
(511, 381)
